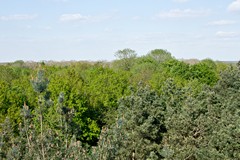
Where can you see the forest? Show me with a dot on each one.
(146, 107)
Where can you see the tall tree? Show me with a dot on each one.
(126, 58)
(160, 55)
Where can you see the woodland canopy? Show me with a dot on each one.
(148, 107)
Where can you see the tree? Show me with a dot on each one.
(177, 68)
(204, 125)
(142, 70)
(139, 128)
(160, 55)
(36, 139)
(104, 87)
(70, 81)
(205, 72)
(4, 102)
(15, 89)
(126, 58)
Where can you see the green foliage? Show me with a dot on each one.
(126, 59)
(104, 87)
(40, 83)
(125, 53)
(36, 140)
(177, 68)
(4, 103)
(205, 72)
(174, 69)
(160, 55)
(32, 144)
(14, 90)
(18, 63)
(71, 83)
(139, 129)
(7, 74)
(143, 70)
(221, 67)
(191, 112)
(206, 125)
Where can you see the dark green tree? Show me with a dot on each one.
(203, 125)
(139, 128)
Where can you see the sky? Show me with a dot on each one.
(62, 30)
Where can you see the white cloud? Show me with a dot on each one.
(81, 18)
(73, 17)
(180, 1)
(177, 13)
(222, 34)
(18, 17)
(222, 22)
(234, 6)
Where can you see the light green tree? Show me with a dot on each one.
(125, 58)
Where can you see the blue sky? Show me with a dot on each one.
(95, 29)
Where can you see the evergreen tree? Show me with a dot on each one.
(139, 129)
(204, 125)
(36, 138)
